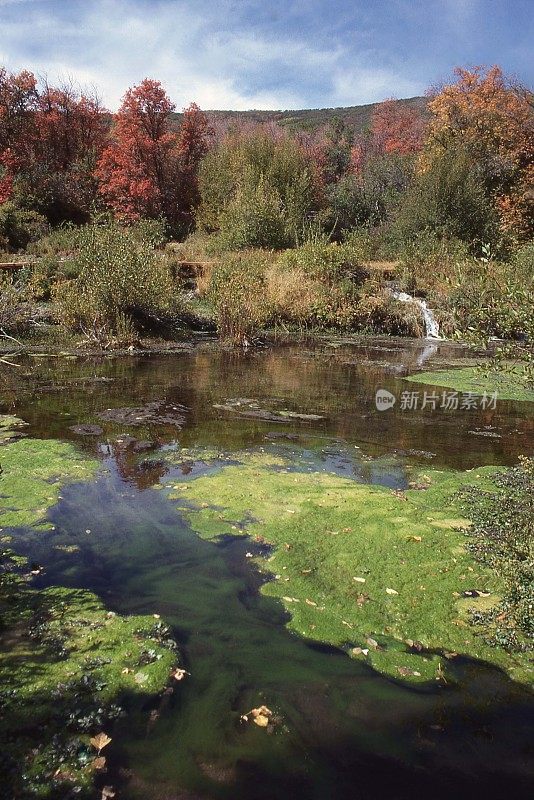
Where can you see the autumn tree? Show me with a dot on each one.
(383, 157)
(49, 141)
(18, 97)
(137, 170)
(491, 118)
(70, 130)
(193, 144)
(396, 128)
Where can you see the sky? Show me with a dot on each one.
(270, 54)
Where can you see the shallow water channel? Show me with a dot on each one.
(346, 730)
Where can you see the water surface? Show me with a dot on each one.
(346, 731)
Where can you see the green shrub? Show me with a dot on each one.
(119, 278)
(346, 208)
(333, 263)
(523, 262)
(237, 291)
(449, 199)
(429, 262)
(254, 217)
(491, 299)
(271, 172)
(19, 227)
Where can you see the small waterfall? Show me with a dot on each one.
(431, 323)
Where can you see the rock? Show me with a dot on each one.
(86, 430)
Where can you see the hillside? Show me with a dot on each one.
(358, 117)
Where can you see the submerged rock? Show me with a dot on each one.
(158, 412)
(246, 407)
(86, 430)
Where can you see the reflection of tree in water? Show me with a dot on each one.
(142, 472)
(336, 378)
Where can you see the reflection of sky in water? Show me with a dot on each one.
(384, 471)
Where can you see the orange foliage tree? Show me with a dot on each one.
(491, 119)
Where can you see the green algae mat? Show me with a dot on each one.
(508, 385)
(66, 663)
(383, 574)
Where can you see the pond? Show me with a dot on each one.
(345, 729)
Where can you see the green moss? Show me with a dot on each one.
(33, 471)
(65, 664)
(508, 385)
(329, 531)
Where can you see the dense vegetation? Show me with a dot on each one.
(146, 221)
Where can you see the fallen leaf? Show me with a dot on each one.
(107, 791)
(391, 591)
(100, 762)
(415, 539)
(359, 580)
(405, 672)
(179, 674)
(100, 741)
(261, 716)
(310, 602)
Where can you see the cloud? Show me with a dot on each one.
(243, 54)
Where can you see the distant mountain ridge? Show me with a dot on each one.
(357, 117)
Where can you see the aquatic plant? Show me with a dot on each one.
(384, 574)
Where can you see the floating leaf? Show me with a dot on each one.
(100, 741)
(261, 716)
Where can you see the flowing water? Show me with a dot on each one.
(431, 323)
(347, 731)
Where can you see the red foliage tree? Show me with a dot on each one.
(18, 97)
(193, 143)
(148, 170)
(397, 128)
(50, 139)
(138, 169)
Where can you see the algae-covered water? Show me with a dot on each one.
(137, 535)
